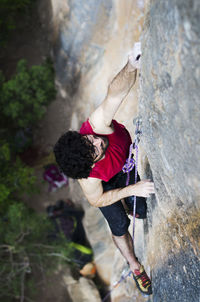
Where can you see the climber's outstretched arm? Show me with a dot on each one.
(93, 190)
(118, 89)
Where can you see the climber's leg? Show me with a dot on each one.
(119, 223)
(125, 244)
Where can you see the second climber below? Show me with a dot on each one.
(95, 156)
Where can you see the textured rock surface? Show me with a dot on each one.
(81, 290)
(169, 107)
(99, 237)
(91, 42)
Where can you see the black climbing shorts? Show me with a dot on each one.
(115, 213)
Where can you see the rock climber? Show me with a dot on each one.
(95, 156)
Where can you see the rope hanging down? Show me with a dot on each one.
(127, 168)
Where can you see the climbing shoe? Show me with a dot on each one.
(142, 281)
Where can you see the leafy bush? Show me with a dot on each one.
(24, 244)
(24, 247)
(25, 96)
(15, 177)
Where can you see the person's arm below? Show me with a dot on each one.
(93, 190)
(118, 89)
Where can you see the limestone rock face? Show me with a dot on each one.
(99, 237)
(81, 290)
(169, 107)
(91, 40)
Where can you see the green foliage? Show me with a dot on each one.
(9, 11)
(24, 235)
(15, 177)
(24, 243)
(23, 247)
(25, 96)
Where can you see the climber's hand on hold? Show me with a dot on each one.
(135, 55)
(143, 188)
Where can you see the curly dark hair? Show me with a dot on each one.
(74, 155)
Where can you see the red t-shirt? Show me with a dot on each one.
(116, 153)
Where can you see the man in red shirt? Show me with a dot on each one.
(95, 156)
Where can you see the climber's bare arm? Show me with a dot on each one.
(93, 190)
(118, 89)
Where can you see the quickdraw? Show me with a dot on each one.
(115, 285)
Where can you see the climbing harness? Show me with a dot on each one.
(130, 162)
(127, 168)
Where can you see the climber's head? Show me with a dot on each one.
(76, 153)
(100, 144)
